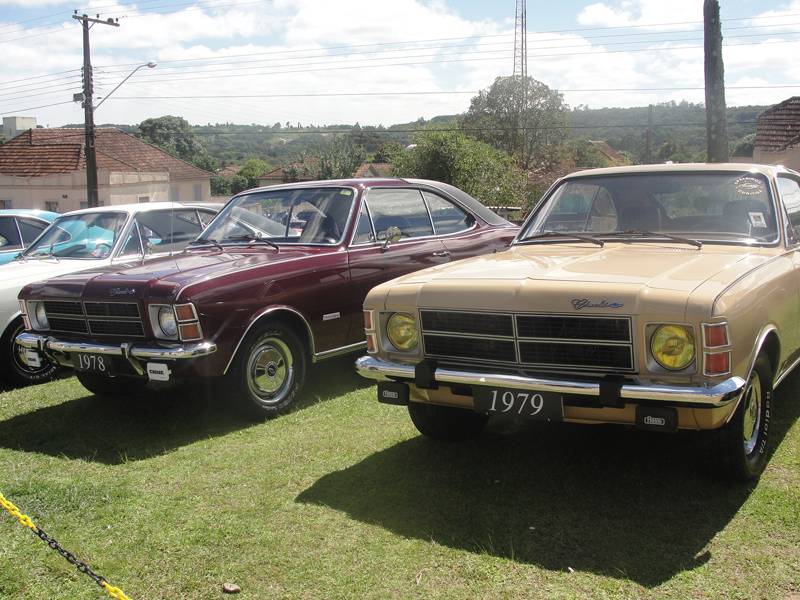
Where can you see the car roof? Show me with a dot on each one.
(768, 170)
(144, 207)
(28, 212)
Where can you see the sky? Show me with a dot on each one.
(326, 62)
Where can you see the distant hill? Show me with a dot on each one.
(678, 133)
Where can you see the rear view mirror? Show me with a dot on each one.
(392, 234)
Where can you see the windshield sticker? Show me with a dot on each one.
(749, 186)
(757, 220)
(345, 192)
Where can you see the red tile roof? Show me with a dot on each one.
(373, 170)
(779, 127)
(40, 152)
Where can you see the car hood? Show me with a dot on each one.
(18, 273)
(660, 267)
(618, 278)
(162, 277)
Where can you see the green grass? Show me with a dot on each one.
(170, 496)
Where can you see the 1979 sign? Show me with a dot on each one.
(524, 404)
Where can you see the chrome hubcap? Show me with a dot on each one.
(752, 413)
(270, 371)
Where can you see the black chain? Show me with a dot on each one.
(71, 558)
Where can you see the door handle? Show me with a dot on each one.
(442, 253)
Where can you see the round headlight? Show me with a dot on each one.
(41, 316)
(673, 346)
(401, 329)
(167, 322)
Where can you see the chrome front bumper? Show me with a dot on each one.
(133, 353)
(718, 395)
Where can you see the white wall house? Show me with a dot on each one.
(46, 169)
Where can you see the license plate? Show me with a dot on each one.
(94, 363)
(32, 359)
(524, 404)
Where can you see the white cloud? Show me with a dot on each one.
(641, 12)
(301, 47)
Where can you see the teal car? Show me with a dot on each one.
(18, 228)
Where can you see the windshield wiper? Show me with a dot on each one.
(206, 242)
(250, 239)
(641, 233)
(563, 234)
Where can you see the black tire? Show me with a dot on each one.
(739, 450)
(268, 372)
(100, 385)
(446, 423)
(15, 371)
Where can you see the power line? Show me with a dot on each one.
(19, 110)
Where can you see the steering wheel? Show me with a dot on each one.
(101, 250)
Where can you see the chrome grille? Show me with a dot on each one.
(60, 307)
(98, 318)
(566, 342)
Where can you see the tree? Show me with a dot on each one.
(487, 174)
(387, 152)
(173, 135)
(251, 170)
(523, 117)
(339, 159)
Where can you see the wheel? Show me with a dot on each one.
(15, 370)
(269, 371)
(739, 449)
(446, 423)
(101, 385)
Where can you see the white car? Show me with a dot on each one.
(89, 239)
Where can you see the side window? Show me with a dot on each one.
(9, 236)
(403, 209)
(30, 229)
(205, 217)
(447, 217)
(132, 247)
(790, 194)
(168, 230)
(364, 233)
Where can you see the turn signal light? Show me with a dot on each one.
(185, 312)
(372, 347)
(718, 363)
(716, 334)
(368, 320)
(190, 331)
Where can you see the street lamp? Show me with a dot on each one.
(149, 65)
(92, 191)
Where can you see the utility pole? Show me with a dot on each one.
(92, 195)
(716, 117)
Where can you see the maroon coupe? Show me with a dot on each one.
(274, 283)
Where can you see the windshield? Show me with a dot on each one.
(87, 236)
(294, 216)
(709, 207)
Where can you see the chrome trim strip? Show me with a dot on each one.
(779, 379)
(264, 313)
(340, 351)
(719, 395)
(42, 343)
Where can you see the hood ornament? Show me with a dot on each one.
(581, 303)
(121, 291)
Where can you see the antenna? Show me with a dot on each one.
(521, 41)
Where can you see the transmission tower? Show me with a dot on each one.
(521, 41)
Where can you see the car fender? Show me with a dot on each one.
(271, 312)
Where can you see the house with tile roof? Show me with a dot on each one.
(778, 135)
(46, 168)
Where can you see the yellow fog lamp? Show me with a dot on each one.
(672, 346)
(401, 329)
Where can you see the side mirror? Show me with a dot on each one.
(392, 234)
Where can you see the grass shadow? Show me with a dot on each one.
(152, 423)
(606, 500)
